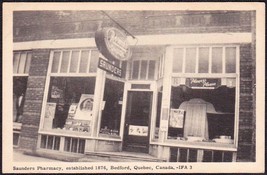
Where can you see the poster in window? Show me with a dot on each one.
(138, 130)
(73, 108)
(56, 92)
(176, 118)
(50, 110)
(84, 110)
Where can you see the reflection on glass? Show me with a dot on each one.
(203, 62)
(190, 60)
(135, 70)
(65, 62)
(74, 61)
(143, 69)
(15, 62)
(22, 62)
(93, 61)
(178, 60)
(84, 61)
(230, 59)
(55, 63)
(151, 69)
(216, 60)
(28, 62)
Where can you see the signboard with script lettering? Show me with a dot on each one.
(203, 83)
(107, 66)
(112, 43)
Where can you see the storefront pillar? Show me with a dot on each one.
(98, 96)
(33, 99)
(166, 93)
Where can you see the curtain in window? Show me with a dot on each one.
(196, 122)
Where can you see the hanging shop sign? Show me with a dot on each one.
(112, 43)
(107, 66)
(203, 83)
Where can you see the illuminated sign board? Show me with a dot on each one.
(112, 43)
(109, 67)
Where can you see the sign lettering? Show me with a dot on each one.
(203, 83)
(107, 66)
(112, 43)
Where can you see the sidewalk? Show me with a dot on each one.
(19, 156)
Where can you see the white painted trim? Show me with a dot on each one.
(171, 39)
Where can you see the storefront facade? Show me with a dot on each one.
(185, 85)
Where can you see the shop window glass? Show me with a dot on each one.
(111, 114)
(205, 113)
(19, 92)
(28, 62)
(135, 71)
(216, 60)
(143, 69)
(230, 59)
(74, 61)
(178, 60)
(203, 62)
(23, 57)
(65, 62)
(68, 104)
(151, 69)
(84, 61)
(55, 64)
(94, 61)
(21, 62)
(190, 60)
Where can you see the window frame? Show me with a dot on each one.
(65, 74)
(210, 59)
(223, 77)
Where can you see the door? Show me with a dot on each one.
(137, 121)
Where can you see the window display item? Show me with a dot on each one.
(85, 107)
(138, 130)
(56, 92)
(176, 118)
(194, 139)
(73, 107)
(224, 140)
(49, 115)
(196, 123)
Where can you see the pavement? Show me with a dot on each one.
(19, 156)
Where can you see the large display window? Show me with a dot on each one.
(21, 67)
(204, 100)
(206, 114)
(111, 108)
(70, 96)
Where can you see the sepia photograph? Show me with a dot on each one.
(133, 87)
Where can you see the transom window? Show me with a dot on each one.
(205, 59)
(21, 62)
(75, 61)
(143, 69)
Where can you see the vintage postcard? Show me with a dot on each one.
(133, 87)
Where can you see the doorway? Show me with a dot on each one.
(137, 121)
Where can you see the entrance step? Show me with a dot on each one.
(119, 157)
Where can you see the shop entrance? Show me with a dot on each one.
(137, 121)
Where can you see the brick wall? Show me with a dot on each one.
(246, 145)
(34, 99)
(29, 26)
